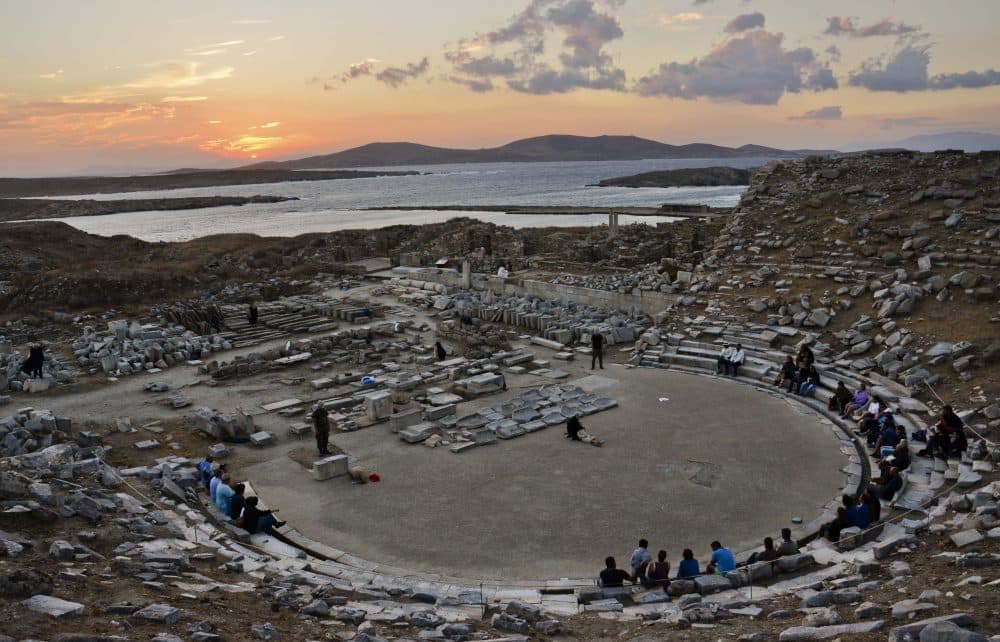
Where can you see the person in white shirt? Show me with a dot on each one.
(722, 365)
(502, 272)
(737, 359)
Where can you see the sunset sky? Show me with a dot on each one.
(153, 85)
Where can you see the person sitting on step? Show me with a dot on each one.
(848, 514)
(256, 520)
(858, 402)
(722, 363)
(738, 358)
(658, 572)
(787, 545)
(688, 566)
(889, 486)
(611, 576)
(786, 378)
(840, 399)
(769, 554)
(722, 560)
(810, 380)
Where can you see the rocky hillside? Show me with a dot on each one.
(892, 258)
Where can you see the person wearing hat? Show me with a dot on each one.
(724, 360)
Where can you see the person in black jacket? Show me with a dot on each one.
(597, 350)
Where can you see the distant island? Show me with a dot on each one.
(687, 177)
(180, 179)
(540, 149)
(26, 209)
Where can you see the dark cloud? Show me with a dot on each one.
(830, 112)
(396, 76)
(848, 26)
(514, 53)
(745, 22)
(478, 86)
(907, 70)
(834, 52)
(752, 68)
(365, 67)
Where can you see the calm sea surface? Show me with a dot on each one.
(338, 204)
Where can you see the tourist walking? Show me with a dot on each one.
(32, 366)
(321, 426)
(597, 349)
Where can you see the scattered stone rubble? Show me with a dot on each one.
(130, 347)
(179, 547)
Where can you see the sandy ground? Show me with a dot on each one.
(680, 473)
(719, 460)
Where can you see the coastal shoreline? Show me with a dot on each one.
(73, 185)
(16, 209)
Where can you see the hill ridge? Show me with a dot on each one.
(546, 148)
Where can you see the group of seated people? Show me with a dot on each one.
(730, 359)
(861, 513)
(798, 374)
(653, 573)
(231, 500)
(947, 437)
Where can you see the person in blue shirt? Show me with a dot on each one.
(688, 566)
(722, 560)
(205, 470)
(216, 480)
(223, 495)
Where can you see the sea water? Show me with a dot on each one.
(331, 205)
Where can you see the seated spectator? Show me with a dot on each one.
(223, 494)
(888, 434)
(887, 488)
(859, 401)
(948, 436)
(205, 471)
(688, 566)
(722, 560)
(848, 515)
(503, 272)
(789, 370)
(900, 459)
(840, 399)
(870, 500)
(638, 561)
(787, 545)
(725, 355)
(738, 358)
(216, 480)
(611, 576)
(236, 501)
(658, 572)
(769, 554)
(259, 521)
(810, 380)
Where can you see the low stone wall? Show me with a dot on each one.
(646, 301)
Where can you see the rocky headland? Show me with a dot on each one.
(686, 177)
